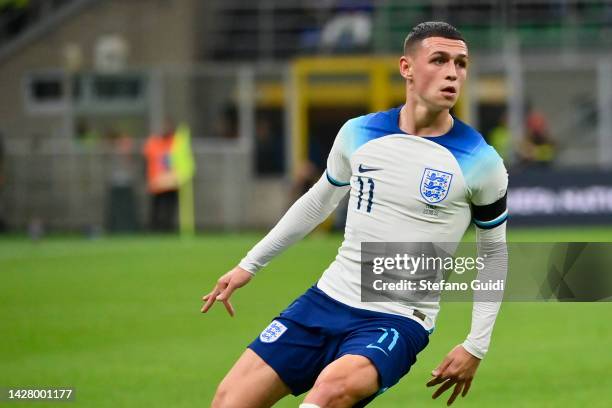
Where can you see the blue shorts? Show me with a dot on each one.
(316, 330)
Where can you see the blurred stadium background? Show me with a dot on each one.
(263, 86)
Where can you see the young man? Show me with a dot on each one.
(329, 342)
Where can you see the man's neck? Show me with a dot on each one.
(417, 120)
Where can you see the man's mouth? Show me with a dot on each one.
(450, 90)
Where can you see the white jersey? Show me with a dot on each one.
(406, 188)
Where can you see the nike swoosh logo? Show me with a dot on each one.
(366, 169)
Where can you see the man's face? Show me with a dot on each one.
(436, 70)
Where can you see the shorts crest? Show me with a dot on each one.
(271, 333)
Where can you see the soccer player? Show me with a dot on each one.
(330, 343)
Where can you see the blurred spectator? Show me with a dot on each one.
(350, 28)
(85, 136)
(1, 158)
(36, 228)
(121, 200)
(268, 149)
(306, 175)
(538, 147)
(161, 180)
(500, 138)
(226, 125)
(2, 154)
(313, 14)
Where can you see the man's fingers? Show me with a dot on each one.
(455, 393)
(210, 300)
(466, 388)
(229, 307)
(449, 383)
(207, 305)
(435, 381)
(439, 371)
(216, 290)
(227, 292)
(221, 296)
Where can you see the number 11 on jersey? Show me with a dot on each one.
(370, 193)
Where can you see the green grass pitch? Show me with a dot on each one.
(118, 319)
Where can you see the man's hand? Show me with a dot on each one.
(458, 369)
(226, 285)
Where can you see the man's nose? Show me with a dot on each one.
(451, 73)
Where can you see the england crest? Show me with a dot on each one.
(435, 185)
(271, 333)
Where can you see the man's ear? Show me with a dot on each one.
(406, 67)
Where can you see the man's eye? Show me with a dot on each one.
(438, 61)
(462, 64)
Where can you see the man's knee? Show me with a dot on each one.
(224, 397)
(345, 382)
(340, 390)
(333, 391)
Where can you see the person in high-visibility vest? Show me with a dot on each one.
(162, 182)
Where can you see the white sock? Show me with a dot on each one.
(309, 406)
